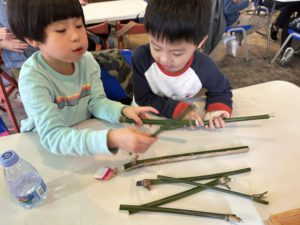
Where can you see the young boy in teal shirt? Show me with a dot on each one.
(60, 84)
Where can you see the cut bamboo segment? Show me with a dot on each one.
(186, 156)
(227, 217)
(149, 182)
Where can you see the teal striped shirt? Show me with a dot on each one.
(54, 102)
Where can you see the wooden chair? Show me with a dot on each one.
(102, 31)
(7, 86)
(136, 30)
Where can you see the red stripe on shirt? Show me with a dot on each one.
(177, 73)
(219, 106)
(179, 109)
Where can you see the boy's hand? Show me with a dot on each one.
(216, 119)
(136, 113)
(194, 115)
(130, 139)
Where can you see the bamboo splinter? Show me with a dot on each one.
(187, 156)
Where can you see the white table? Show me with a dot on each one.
(113, 10)
(76, 198)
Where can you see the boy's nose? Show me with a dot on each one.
(75, 35)
(164, 58)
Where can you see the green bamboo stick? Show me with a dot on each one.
(149, 182)
(227, 217)
(182, 123)
(219, 181)
(178, 196)
(255, 197)
(186, 156)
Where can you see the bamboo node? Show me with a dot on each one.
(147, 184)
(233, 218)
(224, 180)
(260, 196)
(134, 159)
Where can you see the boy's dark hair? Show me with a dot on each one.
(29, 18)
(176, 20)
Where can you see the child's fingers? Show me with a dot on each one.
(222, 122)
(217, 123)
(137, 119)
(148, 109)
(211, 124)
(199, 121)
(144, 142)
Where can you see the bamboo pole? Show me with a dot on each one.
(182, 123)
(149, 182)
(256, 197)
(227, 217)
(186, 156)
(183, 194)
(178, 196)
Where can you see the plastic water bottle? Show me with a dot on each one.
(25, 184)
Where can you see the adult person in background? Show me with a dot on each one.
(14, 52)
(283, 18)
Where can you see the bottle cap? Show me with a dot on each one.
(9, 158)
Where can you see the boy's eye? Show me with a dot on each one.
(79, 26)
(177, 54)
(61, 31)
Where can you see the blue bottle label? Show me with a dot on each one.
(34, 196)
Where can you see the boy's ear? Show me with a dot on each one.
(33, 43)
(202, 42)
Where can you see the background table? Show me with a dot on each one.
(76, 198)
(113, 10)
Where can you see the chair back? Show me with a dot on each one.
(102, 28)
(99, 33)
(131, 35)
